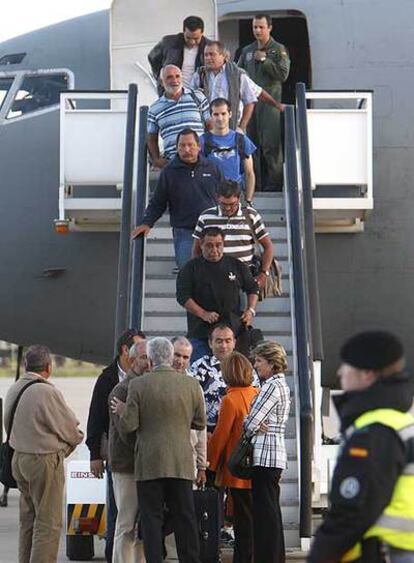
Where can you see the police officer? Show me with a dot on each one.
(371, 517)
(267, 63)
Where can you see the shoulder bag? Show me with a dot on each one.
(273, 285)
(240, 462)
(6, 451)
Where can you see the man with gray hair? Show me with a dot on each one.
(162, 407)
(177, 109)
(182, 355)
(44, 432)
(127, 548)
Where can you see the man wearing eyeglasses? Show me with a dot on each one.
(231, 218)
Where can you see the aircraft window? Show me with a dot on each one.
(12, 59)
(38, 92)
(5, 84)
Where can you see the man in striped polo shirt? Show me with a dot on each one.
(177, 109)
(239, 242)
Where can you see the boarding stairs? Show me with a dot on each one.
(102, 190)
(163, 316)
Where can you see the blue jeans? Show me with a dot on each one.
(111, 514)
(183, 244)
(200, 348)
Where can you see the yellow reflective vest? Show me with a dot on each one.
(395, 526)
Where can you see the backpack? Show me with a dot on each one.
(210, 147)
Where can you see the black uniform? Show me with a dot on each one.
(368, 467)
(215, 286)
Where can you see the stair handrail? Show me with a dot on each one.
(138, 251)
(309, 226)
(302, 325)
(121, 316)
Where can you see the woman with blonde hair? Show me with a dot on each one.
(238, 375)
(265, 425)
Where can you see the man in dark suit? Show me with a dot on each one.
(162, 407)
(98, 423)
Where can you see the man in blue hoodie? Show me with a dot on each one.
(187, 186)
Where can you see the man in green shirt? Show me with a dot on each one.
(267, 62)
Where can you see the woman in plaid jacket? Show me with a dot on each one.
(266, 424)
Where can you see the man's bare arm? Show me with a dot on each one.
(249, 177)
(246, 115)
(153, 149)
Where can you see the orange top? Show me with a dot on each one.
(233, 410)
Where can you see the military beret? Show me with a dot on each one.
(372, 350)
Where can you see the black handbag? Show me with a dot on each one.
(6, 451)
(240, 462)
(273, 285)
(247, 340)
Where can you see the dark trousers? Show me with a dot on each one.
(243, 525)
(111, 514)
(269, 543)
(177, 494)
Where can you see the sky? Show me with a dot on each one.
(18, 17)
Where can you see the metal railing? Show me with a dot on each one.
(121, 316)
(302, 324)
(138, 252)
(309, 227)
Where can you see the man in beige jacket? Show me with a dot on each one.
(163, 406)
(44, 432)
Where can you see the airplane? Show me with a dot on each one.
(61, 289)
(364, 279)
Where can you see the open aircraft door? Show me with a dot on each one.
(135, 30)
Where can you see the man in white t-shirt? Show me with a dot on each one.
(185, 50)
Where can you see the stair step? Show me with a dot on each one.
(266, 309)
(163, 232)
(163, 248)
(159, 283)
(164, 265)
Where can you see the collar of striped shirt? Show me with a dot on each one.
(238, 214)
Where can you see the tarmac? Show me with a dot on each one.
(77, 393)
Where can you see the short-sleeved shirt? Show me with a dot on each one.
(168, 117)
(238, 238)
(218, 86)
(225, 153)
(207, 371)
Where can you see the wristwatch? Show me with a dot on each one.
(253, 312)
(265, 272)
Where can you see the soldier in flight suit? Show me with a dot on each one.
(372, 497)
(267, 63)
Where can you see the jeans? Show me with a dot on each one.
(111, 514)
(200, 348)
(183, 244)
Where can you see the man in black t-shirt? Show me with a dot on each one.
(209, 287)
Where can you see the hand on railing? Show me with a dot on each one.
(140, 230)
